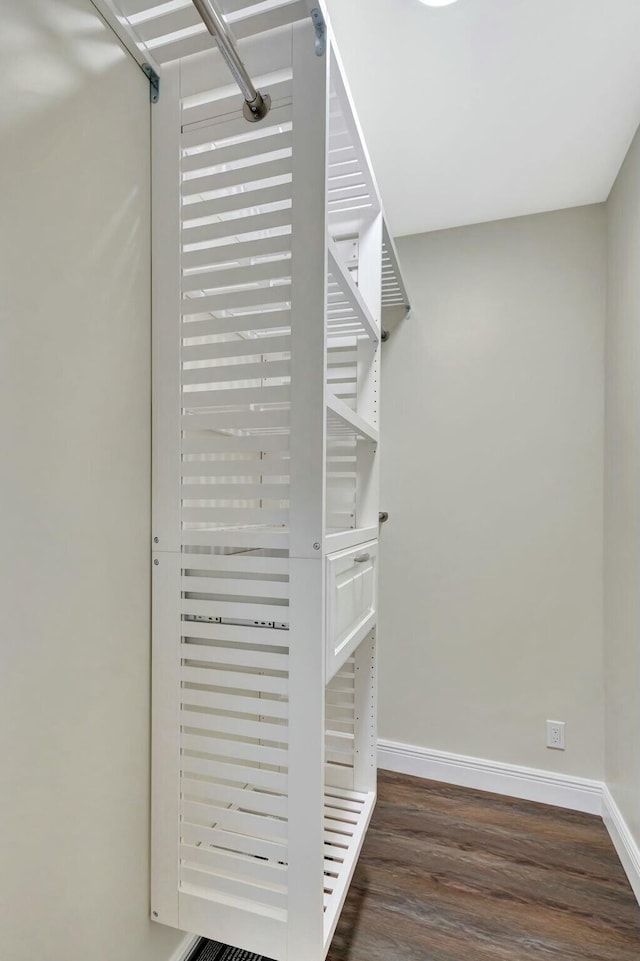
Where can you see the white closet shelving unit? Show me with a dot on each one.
(272, 270)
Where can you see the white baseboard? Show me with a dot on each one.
(184, 950)
(530, 784)
(623, 841)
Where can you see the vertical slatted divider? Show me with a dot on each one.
(236, 369)
(368, 402)
(340, 723)
(365, 764)
(221, 638)
(368, 496)
(352, 468)
(267, 272)
(165, 664)
(308, 296)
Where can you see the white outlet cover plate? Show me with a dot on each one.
(555, 735)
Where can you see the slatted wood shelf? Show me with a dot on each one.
(347, 817)
(341, 419)
(353, 195)
(394, 292)
(347, 311)
(175, 31)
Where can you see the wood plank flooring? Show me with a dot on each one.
(449, 874)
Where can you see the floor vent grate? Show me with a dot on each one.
(214, 951)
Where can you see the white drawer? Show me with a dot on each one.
(352, 589)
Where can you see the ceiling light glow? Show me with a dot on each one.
(438, 3)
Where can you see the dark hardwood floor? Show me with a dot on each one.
(449, 874)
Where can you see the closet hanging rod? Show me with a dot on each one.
(256, 104)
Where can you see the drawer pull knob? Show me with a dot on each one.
(362, 558)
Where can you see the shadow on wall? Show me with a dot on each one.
(49, 51)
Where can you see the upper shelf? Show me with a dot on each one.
(341, 420)
(353, 196)
(353, 193)
(347, 311)
(395, 300)
(172, 31)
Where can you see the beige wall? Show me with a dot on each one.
(74, 511)
(622, 494)
(491, 571)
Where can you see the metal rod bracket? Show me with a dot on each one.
(154, 82)
(256, 105)
(321, 31)
(255, 110)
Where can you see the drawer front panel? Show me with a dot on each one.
(352, 588)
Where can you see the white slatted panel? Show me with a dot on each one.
(342, 421)
(347, 312)
(395, 300)
(353, 196)
(236, 673)
(236, 369)
(341, 466)
(173, 30)
(342, 369)
(339, 721)
(394, 294)
(341, 475)
(353, 203)
(352, 190)
(347, 812)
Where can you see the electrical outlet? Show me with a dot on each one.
(555, 735)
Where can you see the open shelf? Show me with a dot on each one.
(353, 196)
(394, 298)
(394, 293)
(347, 312)
(341, 540)
(347, 815)
(341, 419)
